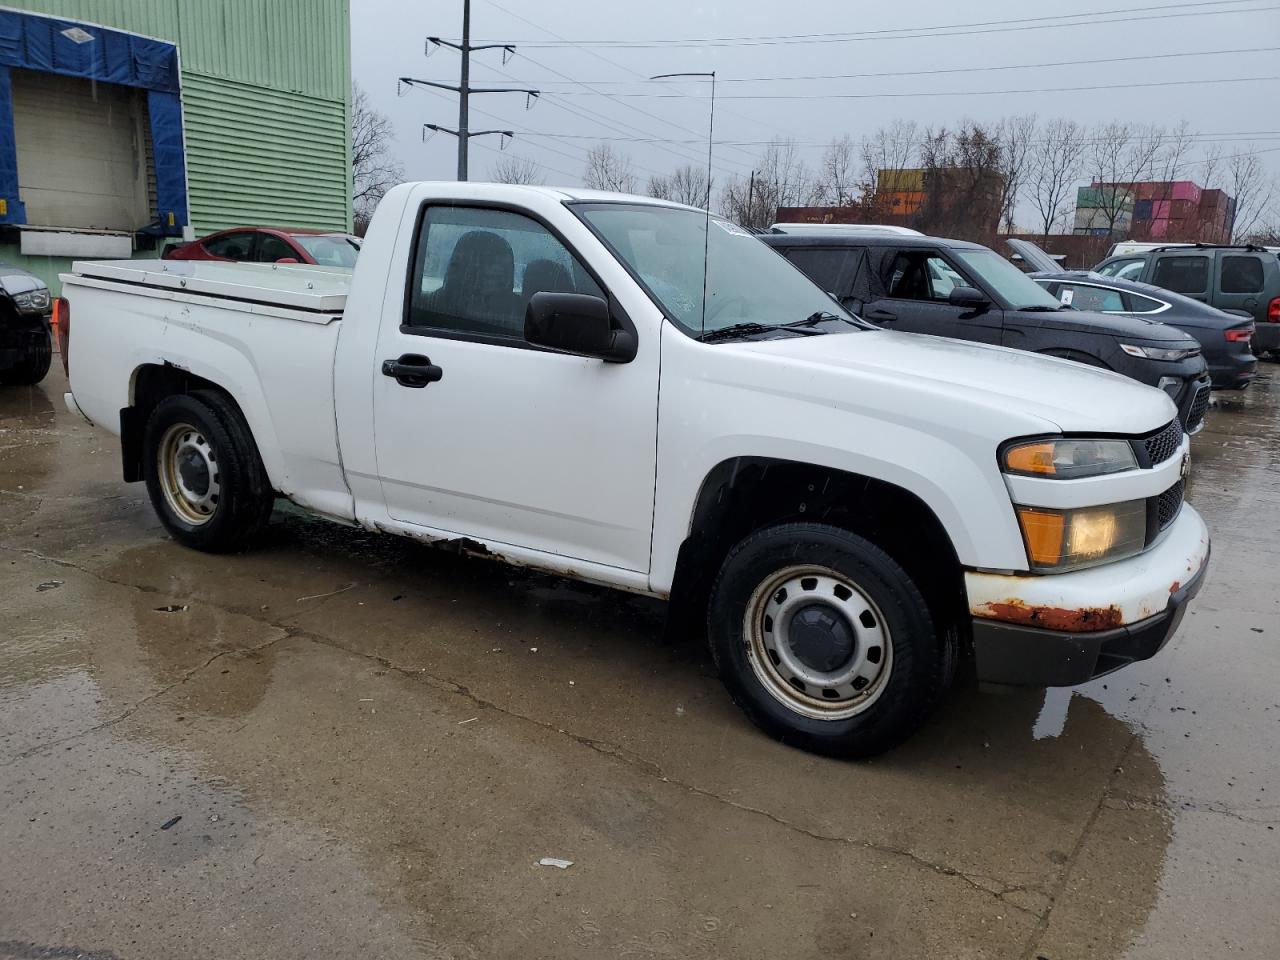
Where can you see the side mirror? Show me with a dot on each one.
(577, 323)
(968, 297)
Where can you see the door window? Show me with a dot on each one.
(918, 275)
(1241, 274)
(232, 246)
(271, 248)
(1140, 304)
(1182, 274)
(1084, 297)
(475, 270)
(1123, 269)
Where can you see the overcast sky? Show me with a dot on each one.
(388, 38)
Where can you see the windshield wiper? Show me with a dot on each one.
(751, 328)
(1040, 308)
(821, 315)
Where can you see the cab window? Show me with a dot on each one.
(232, 246)
(475, 270)
(831, 268)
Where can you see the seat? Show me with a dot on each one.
(478, 293)
(545, 276)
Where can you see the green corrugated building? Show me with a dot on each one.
(124, 123)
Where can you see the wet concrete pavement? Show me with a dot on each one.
(370, 744)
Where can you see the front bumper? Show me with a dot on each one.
(1193, 403)
(1063, 629)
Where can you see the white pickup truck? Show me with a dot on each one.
(548, 377)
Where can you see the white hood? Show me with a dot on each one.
(1070, 395)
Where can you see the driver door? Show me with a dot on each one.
(498, 440)
(916, 285)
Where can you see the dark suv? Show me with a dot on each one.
(951, 288)
(26, 343)
(1243, 280)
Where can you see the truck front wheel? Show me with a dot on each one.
(824, 641)
(203, 472)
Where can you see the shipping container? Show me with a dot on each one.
(899, 181)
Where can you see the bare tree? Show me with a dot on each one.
(838, 179)
(893, 148)
(781, 179)
(514, 169)
(1014, 136)
(374, 170)
(963, 193)
(687, 184)
(1054, 165)
(1254, 191)
(607, 170)
(1119, 156)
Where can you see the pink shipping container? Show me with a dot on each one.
(1184, 190)
(1160, 209)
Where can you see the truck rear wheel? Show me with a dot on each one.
(204, 474)
(34, 364)
(824, 641)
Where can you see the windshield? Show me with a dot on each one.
(329, 251)
(746, 281)
(1013, 286)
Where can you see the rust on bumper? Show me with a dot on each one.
(1051, 618)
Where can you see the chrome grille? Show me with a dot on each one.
(1168, 504)
(1163, 445)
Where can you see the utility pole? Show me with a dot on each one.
(463, 88)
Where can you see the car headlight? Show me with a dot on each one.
(1160, 353)
(1068, 459)
(33, 301)
(1059, 540)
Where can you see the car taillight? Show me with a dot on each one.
(1238, 334)
(62, 331)
(1273, 310)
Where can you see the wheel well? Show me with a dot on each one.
(153, 382)
(747, 493)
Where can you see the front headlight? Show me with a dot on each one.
(1160, 353)
(33, 301)
(1069, 459)
(1059, 540)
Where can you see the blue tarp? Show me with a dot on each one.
(171, 165)
(52, 45)
(11, 209)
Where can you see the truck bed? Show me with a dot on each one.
(291, 286)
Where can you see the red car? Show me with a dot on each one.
(271, 245)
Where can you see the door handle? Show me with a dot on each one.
(412, 370)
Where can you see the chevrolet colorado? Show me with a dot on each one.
(558, 379)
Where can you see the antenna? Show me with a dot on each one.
(711, 133)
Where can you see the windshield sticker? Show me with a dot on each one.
(732, 228)
(1067, 296)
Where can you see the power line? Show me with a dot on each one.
(945, 70)
(1160, 12)
(949, 93)
(613, 63)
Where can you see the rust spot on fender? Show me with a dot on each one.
(1052, 618)
(1175, 586)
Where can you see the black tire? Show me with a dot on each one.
(244, 497)
(917, 661)
(34, 366)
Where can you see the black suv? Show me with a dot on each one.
(26, 344)
(951, 288)
(1243, 280)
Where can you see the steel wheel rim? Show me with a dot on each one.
(779, 641)
(189, 476)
